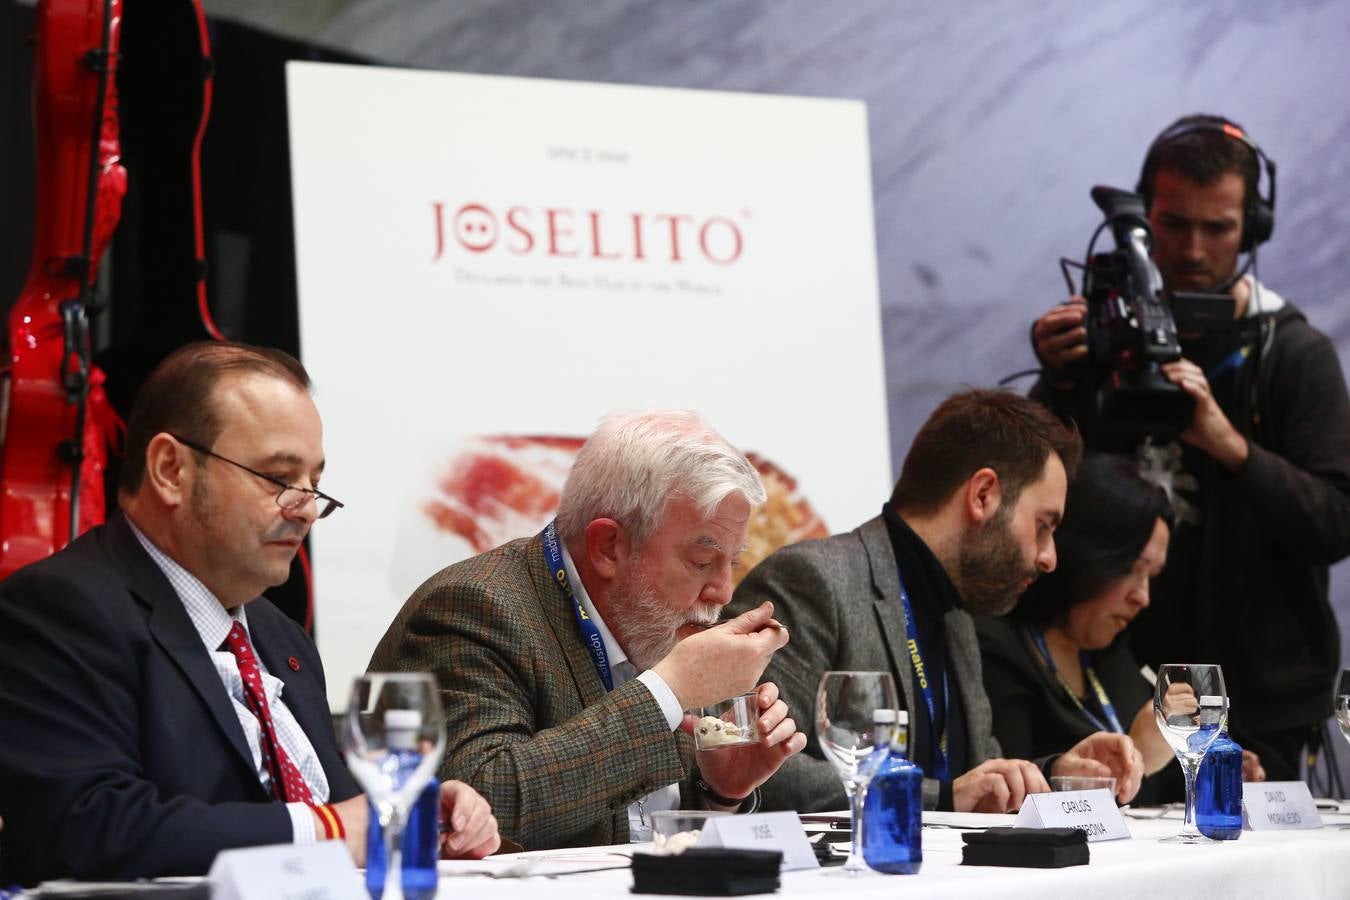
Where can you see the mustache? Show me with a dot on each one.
(705, 614)
(284, 530)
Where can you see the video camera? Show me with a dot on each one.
(1131, 332)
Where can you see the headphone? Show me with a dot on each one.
(1258, 215)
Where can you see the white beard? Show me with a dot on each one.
(648, 623)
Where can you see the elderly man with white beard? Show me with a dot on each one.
(566, 660)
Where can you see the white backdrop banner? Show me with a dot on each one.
(488, 265)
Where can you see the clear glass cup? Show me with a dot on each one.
(394, 737)
(1177, 707)
(846, 705)
(676, 830)
(731, 723)
(1083, 783)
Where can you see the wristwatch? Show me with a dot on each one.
(752, 799)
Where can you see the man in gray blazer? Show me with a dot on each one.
(969, 526)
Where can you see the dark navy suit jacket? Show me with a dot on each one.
(120, 753)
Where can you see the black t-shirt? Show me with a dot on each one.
(1164, 633)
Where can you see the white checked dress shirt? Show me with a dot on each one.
(621, 671)
(213, 623)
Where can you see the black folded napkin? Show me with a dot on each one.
(707, 870)
(1033, 848)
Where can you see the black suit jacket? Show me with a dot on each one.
(120, 753)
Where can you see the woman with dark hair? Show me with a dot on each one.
(1057, 668)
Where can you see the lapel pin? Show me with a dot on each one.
(294, 664)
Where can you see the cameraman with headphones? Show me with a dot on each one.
(1260, 478)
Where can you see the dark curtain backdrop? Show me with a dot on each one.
(151, 269)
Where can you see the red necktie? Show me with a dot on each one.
(288, 785)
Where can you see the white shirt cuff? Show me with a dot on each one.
(302, 824)
(664, 696)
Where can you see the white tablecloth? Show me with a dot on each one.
(1289, 865)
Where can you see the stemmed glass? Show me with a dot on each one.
(394, 738)
(1177, 702)
(1343, 703)
(846, 705)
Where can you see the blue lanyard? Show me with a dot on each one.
(940, 766)
(1230, 363)
(1037, 636)
(596, 644)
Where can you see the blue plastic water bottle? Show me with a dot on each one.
(1218, 786)
(422, 834)
(893, 808)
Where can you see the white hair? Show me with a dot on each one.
(636, 462)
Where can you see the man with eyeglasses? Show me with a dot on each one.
(154, 710)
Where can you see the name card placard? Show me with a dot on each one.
(762, 831)
(322, 871)
(1278, 805)
(1093, 812)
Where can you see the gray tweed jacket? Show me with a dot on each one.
(840, 598)
(528, 721)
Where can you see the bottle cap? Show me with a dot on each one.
(883, 716)
(1211, 700)
(403, 719)
(902, 717)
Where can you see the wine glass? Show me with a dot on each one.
(846, 705)
(394, 738)
(1343, 703)
(1190, 704)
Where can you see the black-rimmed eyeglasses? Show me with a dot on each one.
(290, 497)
